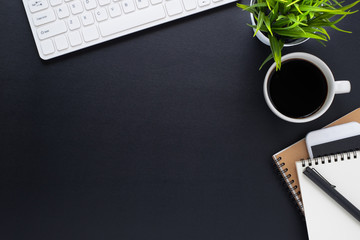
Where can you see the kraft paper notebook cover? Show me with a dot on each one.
(325, 217)
(286, 158)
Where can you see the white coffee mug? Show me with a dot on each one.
(333, 87)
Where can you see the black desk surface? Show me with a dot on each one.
(163, 134)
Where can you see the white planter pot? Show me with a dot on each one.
(264, 39)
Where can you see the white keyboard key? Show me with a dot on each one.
(76, 7)
(87, 19)
(90, 33)
(47, 47)
(38, 5)
(189, 4)
(63, 26)
(114, 10)
(63, 11)
(142, 3)
(104, 2)
(61, 43)
(73, 23)
(44, 17)
(135, 19)
(55, 2)
(156, 2)
(90, 4)
(173, 7)
(51, 30)
(74, 38)
(128, 6)
(101, 14)
(203, 3)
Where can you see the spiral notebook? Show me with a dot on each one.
(286, 158)
(325, 218)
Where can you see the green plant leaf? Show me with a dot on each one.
(296, 19)
(260, 20)
(323, 31)
(242, 6)
(300, 34)
(327, 23)
(275, 12)
(337, 3)
(262, 28)
(281, 23)
(291, 3)
(268, 4)
(266, 60)
(256, 5)
(267, 24)
(276, 47)
(292, 17)
(322, 9)
(297, 7)
(340, 30)
(247, 8)
(321, 42)
(294, 25)
(347, 7)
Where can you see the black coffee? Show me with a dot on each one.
(299, 89)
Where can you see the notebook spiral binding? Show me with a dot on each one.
(331, 158)
(294, 190)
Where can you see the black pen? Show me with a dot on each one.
(319, 180)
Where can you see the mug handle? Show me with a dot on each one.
(343, 86)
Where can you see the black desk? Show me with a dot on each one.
(163, 134)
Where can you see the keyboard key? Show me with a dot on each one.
(51, 30)
(90, 33)
(73, 23)
(101, 14)
(38, 5)
(76, 7)
(128, 6)
(61, 43)
(74, 38)
(87, 19)
(203, 3)
(63, 26)
(173, 7)
(90, 4)
(135, 19)
(47, 47)
(55, 2)
(142, 3)
(44, 17)
(114, 10)
(156, 2)
(189, 4)
(63, 11)
(104, 2)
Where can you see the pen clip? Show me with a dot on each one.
(333, 186)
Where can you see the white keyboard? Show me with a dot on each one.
(63, 26)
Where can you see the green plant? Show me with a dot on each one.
(286, 20)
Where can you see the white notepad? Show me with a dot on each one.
(325, 218)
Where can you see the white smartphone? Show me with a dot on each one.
(331, 140)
